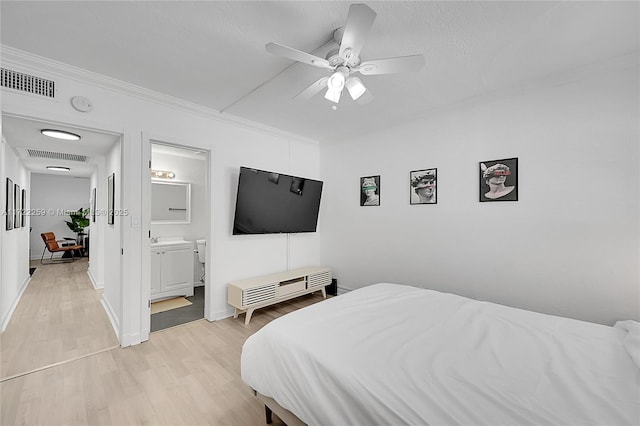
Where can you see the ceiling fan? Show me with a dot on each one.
(343, 62)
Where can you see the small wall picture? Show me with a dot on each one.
(17, 197)
(499, 180)
(111, 194)
(9, 206)
(93, 205)
(370, 191)
(24, 207)
(422, 186)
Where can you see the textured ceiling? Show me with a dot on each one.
(212, 52)
(23, 134)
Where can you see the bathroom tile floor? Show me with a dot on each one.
(178, 316)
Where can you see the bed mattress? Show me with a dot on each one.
(390, 354)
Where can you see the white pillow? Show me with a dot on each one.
(632, 339)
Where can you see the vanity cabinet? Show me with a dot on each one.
(171, 270)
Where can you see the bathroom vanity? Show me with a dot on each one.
(171, 269)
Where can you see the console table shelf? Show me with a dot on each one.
(253, 293)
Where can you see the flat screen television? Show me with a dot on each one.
(274, 203)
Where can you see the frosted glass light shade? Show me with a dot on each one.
(355, 87)
(333, 95)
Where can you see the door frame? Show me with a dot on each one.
(145, 290)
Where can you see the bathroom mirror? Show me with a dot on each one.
(170, 202)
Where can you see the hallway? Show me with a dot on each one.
(59, 318)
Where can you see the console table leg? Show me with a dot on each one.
(324, 292)
(247, 318)
(235, 312)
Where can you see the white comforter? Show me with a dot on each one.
(388, 354)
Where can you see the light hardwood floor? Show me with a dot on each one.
(185, 375)
(58, 318)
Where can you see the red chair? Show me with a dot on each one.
(51, 244)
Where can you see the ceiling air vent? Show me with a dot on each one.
(27, 83)
(35, 153)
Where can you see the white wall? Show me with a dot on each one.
(54, 195)
(135, 112)
(98, 182)
(111, 278)
(14, 251)
(195, 172)
(569, 246)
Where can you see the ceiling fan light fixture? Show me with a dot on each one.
(355, 87)
(336, 81)
(333, 95)
(60, 134)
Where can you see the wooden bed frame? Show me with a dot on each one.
(271, 406)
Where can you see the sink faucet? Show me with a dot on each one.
(154, 239)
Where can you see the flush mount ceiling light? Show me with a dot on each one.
(60, 134)
(59, 168)
(162, 174)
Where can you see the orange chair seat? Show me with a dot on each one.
(51, 244)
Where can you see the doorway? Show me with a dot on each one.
(70, 296)
(180, 221)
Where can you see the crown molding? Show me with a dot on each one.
(23, 61)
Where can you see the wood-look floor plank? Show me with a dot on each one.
(59, 317)
(185, 375)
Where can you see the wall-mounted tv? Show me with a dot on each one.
(274, 203)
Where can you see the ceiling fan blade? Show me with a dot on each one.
(359, 22)
(392, 65)
(297, 55)
(312, 90)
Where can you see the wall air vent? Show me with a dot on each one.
(35, 153)
(27, 83)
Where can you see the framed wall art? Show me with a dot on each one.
(111, 194)
(9, 206)
(93, 205)
(24, 207)
(370, 191)
(499, 180)
(17, 202)
(423, 186)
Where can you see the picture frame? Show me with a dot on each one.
(423, 186)
(498, 180)
(93, 205)
(17, 202)
(370, 190)
(111, 197)
(24, 207)
(9, 206)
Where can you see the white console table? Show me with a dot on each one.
(254, 293)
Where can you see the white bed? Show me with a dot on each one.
(389, 354)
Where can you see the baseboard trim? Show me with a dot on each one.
(113, 319)
(14, 305)
(96, 285)
(220, 315)
(130, 340)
